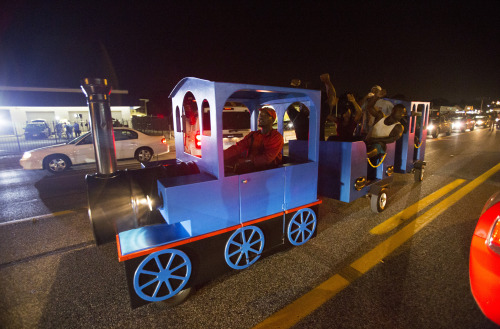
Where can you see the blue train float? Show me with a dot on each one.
(212, 219)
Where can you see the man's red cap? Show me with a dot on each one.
(269, 111)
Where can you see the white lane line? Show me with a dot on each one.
(36, 218)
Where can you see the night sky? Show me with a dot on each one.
(424, 51)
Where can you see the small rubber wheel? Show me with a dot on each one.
(178, 299)
(379, 201)
(418, 175)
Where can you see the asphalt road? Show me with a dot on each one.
(358, 272)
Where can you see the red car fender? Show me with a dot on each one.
(484, 266)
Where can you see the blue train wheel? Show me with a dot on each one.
(162, 275)
(244, 247)
(301, 227)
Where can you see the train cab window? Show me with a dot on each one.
(296, 133)
(205, 120)
(178, 119)
(251, 150)
(418, 112)
(191, 126)
(415, 116)
(235, 123)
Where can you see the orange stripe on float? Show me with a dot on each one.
(304, 206)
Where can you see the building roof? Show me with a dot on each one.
(25, 96)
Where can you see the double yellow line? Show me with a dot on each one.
(308, 303)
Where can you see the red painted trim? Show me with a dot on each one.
(304, 206)
(258, 220)
(148, 251)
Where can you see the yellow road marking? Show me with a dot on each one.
(308, 303)
(407, 213)
(64, 212)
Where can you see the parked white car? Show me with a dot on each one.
(129, 143)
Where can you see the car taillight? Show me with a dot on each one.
(493, 239)
(164, 140)
(197, 140)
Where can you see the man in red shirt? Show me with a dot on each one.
(259, 149)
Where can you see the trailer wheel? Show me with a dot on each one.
(162, 275)
(418, 175)
(244, 247)
(301, 226)
(379, 201)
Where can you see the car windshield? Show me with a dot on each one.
(35, 126)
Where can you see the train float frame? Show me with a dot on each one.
(214, 220)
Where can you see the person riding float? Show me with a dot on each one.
(259, 149)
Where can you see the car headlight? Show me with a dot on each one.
(479, 122)
(430, 127)
(26, 155)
